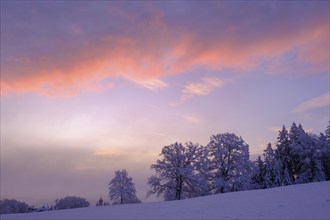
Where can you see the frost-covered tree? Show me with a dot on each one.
(272, 168)
(230, 168)
(122, 189)
(311, 164)
(178, 173)
(307, 165)
(243, 180)
(299, 156)
(70, 202)
(298, 145)
(283, 155)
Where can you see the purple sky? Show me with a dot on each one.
(94, 86)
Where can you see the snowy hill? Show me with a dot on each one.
(305, 201)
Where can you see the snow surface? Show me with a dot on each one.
(304, 201)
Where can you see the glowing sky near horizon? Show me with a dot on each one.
(89, 87)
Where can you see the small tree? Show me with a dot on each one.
(100, 202)
(122, 189)
(71, 202)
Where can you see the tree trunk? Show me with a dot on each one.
(178, 191)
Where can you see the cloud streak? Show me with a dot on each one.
(314, 103)
(191, 118)
(202, 88)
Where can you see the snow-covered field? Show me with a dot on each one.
(305, 201)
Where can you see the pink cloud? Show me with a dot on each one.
(111, 58)
(235, 52)
(152, 84)
(310, 47)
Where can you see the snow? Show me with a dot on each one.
(303, 201)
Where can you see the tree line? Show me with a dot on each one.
(10, 206)
(191, 170)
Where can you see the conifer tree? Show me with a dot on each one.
(324, 149)
(272, 168)
(297, 147)
(258, 179)
(283, 155)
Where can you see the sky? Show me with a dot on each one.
(90, 87)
